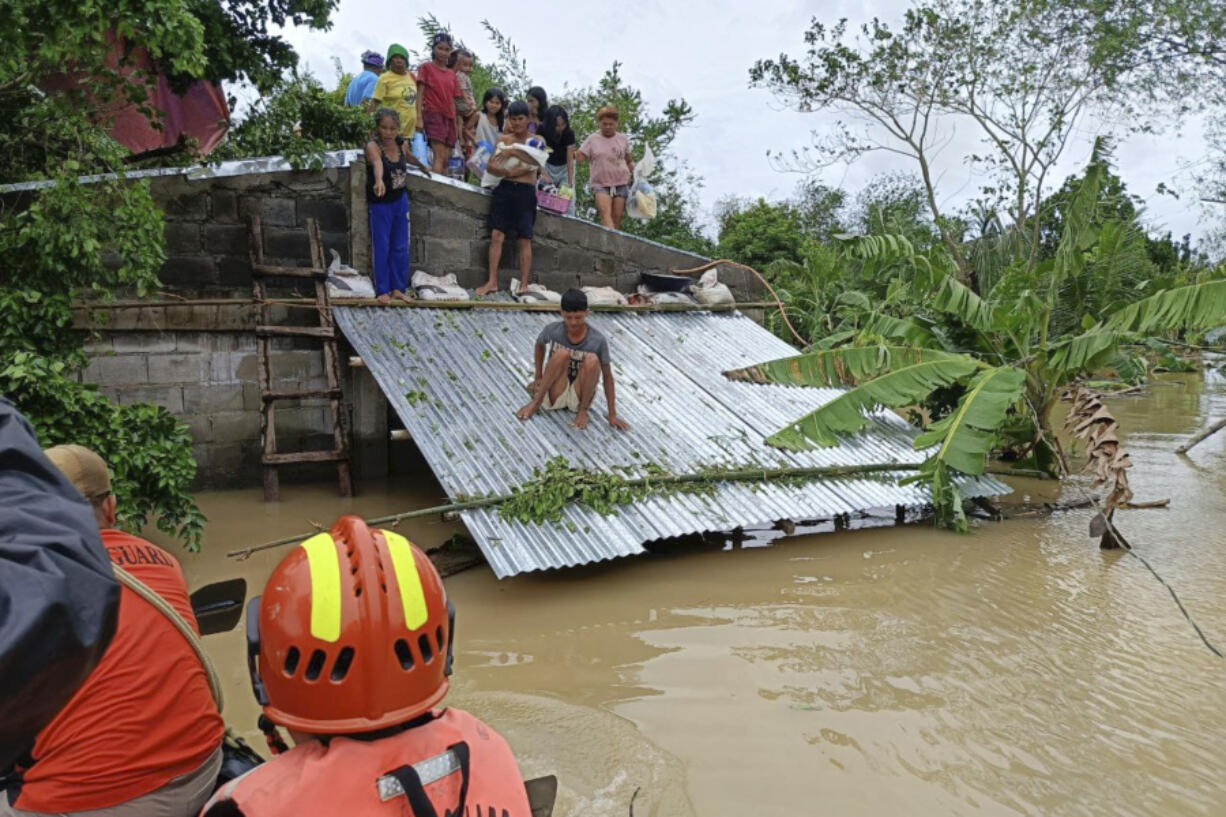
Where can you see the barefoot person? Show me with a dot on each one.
(387, 202)
(578, 357)
(513, 202)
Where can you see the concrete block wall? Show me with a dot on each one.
(210, 381)
(199, 361)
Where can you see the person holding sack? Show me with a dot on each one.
(142, 736)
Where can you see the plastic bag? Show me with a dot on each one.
(641, 203)
(710, 292)
(480, 158)
(346, 282)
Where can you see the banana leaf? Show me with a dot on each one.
(844, 414)
(966, 436)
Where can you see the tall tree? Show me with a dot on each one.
(1022, 75)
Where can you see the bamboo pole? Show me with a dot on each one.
(736, 475)
(741, 475)
(1201, 437)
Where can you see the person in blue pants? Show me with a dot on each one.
(387, 199)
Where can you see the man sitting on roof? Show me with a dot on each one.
(578, 359)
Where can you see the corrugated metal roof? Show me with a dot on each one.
(456, 377)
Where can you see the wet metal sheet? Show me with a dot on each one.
(456, 377)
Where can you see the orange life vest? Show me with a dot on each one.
(451, 765)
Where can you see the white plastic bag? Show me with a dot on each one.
(710, 292)
(604, 296)
(641, 203)
(534, 294)
(346, 282)
(438, 288)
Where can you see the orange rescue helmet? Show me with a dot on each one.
(353, 633)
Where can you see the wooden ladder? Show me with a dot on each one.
(326, 333)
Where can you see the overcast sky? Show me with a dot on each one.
(702, 51)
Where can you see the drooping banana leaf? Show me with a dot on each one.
(836, 367)
(1196, 306)
(914, 331)
(1085, 352)
(902, 386)
(959, 300)
(967, 435)
(1079, 233)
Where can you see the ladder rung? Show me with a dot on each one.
(269, 396)
(269, 270)
(305, 456)
(297, 331)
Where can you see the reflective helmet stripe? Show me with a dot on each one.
(412, 595)
(325, 566)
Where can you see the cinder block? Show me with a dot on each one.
(294, 365)
(330, 214)
(182, 237)
(225, 206)
(118, 370)
(561, 281)
(191, 206)
(280, 212)
(226, 239)
(178, 368)
(572, 260)
(198, 425)
(335, 241)
(235, 426)
(188, 272)
(448, 224)
(222, 367)
(288, 244)
(168, 397)
(193, 342)
(252, 401)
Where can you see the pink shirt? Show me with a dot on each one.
(608, 157)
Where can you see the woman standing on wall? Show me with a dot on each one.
(609, 153)
(387, 200)
(560, 140)
(438, 92)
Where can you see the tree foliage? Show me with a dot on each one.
(987, 367)
(70, 240)
(1021, 75)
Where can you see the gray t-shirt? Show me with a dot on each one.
(593, 341)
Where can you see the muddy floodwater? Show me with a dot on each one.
(1018, 670)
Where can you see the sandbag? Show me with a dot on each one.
(346, 282)
(666, 297)
(438, 288)
(533, 294)
(604, 296)
(710, 292)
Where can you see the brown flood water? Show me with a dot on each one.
(1018, 670)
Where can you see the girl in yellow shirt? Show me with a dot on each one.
(396, 88)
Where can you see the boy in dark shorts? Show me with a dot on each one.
(513, 206)
(578, 359)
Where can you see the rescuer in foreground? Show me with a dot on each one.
(142, 736)
(350, 649)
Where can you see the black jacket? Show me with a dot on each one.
(59, 599)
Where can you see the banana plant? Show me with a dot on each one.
(1010, 366)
